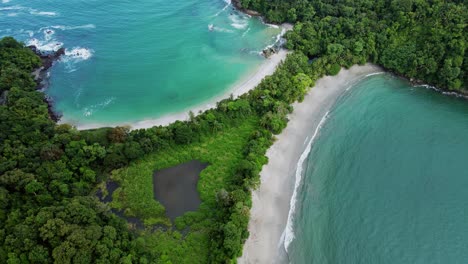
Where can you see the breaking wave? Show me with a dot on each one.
(78, 53)
(238, 22)
(289, 231)
(90, 110)
(31, 11)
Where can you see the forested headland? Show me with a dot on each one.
(49, 173)
(419, 39)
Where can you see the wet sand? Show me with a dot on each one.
(270, 223)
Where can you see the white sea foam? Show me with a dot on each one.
(289, 232)
(430, 87)
(239, 26)
(78, 53)
(31, 11)
(375, 73)
(12, 14)
(45, 45)
(222, 10)
(278, 39)
(220, 29)
(271, 25)
(87, 26)
(90, 110)
(238, 22)
(15, 7)
(245, 32)
(41, 13)
(5, 1)
(48, 33)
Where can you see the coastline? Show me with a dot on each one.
(272, 201)
(244, 85)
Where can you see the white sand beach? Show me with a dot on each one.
(246, 84)
(272, 201)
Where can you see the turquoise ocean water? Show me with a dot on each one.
(133, 60)
(386, 180)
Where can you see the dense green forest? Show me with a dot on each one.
(49, 173)
(420, 39)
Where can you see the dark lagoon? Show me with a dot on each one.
(176, 188)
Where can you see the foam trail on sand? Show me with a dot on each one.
(375, 73)
(289, 232)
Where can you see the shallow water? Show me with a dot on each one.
(386, 179)
(128, 61)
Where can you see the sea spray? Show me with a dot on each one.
(78, 53)
(289, 232)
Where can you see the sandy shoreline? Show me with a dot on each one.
(272, 201)
(246, 84)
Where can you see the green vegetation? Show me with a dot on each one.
(135, 195)
(420, 39)
(49, 172)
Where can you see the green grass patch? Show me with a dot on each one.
(223, 151)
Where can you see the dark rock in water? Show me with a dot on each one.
(237, 4)
(47, 58)
(40, 75)
(54, 115)
(267, 52)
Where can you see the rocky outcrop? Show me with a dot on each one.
(267, 52)
(48, 58)
(237, 4)
(40, 76)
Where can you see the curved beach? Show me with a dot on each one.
(272, 201)
(246, 84)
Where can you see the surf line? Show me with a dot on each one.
(288, 231)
